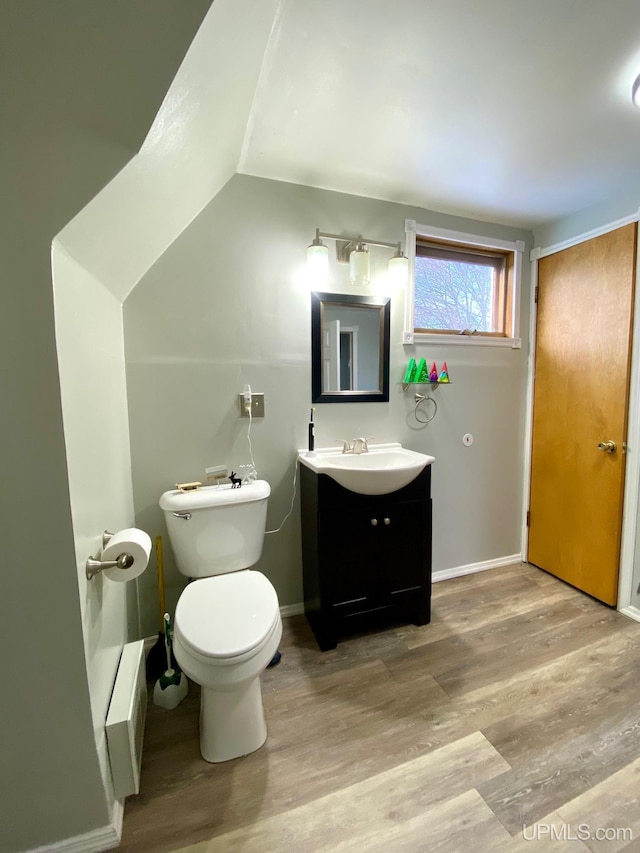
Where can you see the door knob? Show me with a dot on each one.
(387, 521)
(608, 446)
(374, 522)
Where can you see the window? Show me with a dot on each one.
(462, 286)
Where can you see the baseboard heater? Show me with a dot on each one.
(126, 719)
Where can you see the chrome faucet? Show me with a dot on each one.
(356, 445)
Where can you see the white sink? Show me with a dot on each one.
(384, 468)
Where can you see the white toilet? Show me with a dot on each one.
(227, 623)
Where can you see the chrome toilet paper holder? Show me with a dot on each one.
(93, 567)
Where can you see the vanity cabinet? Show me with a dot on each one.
(366, 558)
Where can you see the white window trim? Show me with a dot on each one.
(409, 337)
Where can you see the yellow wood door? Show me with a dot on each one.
(582, 362)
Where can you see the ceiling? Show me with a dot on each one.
(517, 112)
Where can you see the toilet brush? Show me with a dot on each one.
(156, 657)
(172, 686)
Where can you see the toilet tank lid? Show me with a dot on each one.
(212, 496)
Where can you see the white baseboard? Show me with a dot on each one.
(631, 611)
(292, 609)
(105, 838)
(472, 568)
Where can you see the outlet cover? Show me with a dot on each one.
(257, 406)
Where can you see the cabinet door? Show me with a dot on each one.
(349, 556)
(405, 548)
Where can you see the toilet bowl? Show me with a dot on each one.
(226, 630)
(227, 624)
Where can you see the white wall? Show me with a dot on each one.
(90, 349)
(228, 304)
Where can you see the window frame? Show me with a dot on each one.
(514, 249)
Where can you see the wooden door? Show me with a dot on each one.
(585, 302)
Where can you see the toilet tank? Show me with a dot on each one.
(225, 530)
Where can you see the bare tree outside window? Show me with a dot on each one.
(454, 295)
(463, 286)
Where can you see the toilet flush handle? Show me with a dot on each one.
(185, 515)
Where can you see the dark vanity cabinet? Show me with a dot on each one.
(366, 558)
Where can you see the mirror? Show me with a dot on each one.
(349, 348)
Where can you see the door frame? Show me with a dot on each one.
(631, 499)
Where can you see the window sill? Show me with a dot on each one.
(410, 338)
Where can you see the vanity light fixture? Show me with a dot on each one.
(318, 260)
(635, 91)
(359, 264)
(399, 268)
(355, 252)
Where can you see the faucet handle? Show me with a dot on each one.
(347, 446)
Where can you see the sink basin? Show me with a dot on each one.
(384, 468)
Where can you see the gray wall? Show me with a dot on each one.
(79, 86)
(228, 304)
(582, 221)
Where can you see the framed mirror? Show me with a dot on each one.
(349, 348)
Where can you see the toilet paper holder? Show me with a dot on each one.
(94, 567)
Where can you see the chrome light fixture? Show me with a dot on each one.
(318, 259)
(355, 252)
(359, 264)
(399, 268)
(635, 91)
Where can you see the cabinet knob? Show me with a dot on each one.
(374, 522)
(387, 521)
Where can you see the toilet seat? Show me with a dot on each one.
(227, 618)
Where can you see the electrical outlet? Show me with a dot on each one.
(257, 405)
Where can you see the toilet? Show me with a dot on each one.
(227, 624)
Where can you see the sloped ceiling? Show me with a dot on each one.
(78, 75)
(189, 153)
(512, 110)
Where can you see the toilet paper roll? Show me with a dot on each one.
(129, 541)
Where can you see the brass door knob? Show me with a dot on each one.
(608, 446)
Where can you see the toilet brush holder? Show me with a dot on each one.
(172, 686)
(170, 689)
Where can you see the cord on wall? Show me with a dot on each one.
(247, 406)
(293, 497)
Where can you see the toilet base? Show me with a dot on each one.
(232, 722)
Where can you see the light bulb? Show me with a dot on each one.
(635, 91)
(318, 261)
(398, 269)
(359, 265)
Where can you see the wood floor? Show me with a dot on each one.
(511, 722)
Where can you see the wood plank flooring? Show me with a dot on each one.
(510, 723)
